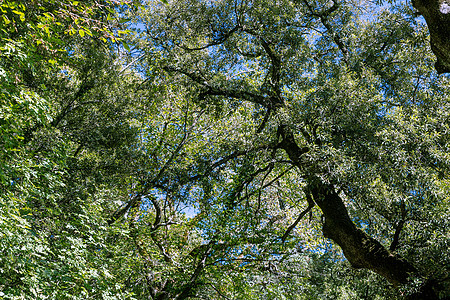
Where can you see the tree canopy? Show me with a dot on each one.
(223, 150)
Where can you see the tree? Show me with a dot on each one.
(353, 106)
(437, 16)
(57, 154)
(229, 149)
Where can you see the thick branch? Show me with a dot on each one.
(275, 70)
(361, 250)
(209, 90)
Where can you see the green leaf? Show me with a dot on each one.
(21, 15)
(81, 32)
(6, 20)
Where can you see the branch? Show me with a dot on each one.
(218, 163)
(323, 16)
(264, 122)
(121, 211)
(275, 70)
(131, 63)
(218, 292)
(216, 42)
(289, 144)
(269, 183)
(399, 227)
(302, 214)
(229, 157)
(209, 90)
(200, 266)
(157, 212)
(361, 250)
(155, 226)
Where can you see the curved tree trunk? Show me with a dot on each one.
(361, 250)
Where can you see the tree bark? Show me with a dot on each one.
(361, 250)
(437, 16)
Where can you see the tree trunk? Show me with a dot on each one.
(361, 250)
(437, 16)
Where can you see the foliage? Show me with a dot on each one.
(181, 149)
(343, 86)
(52, 224)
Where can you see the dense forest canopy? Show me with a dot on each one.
(224, 149)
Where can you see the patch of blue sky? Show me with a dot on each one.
(190, 211)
